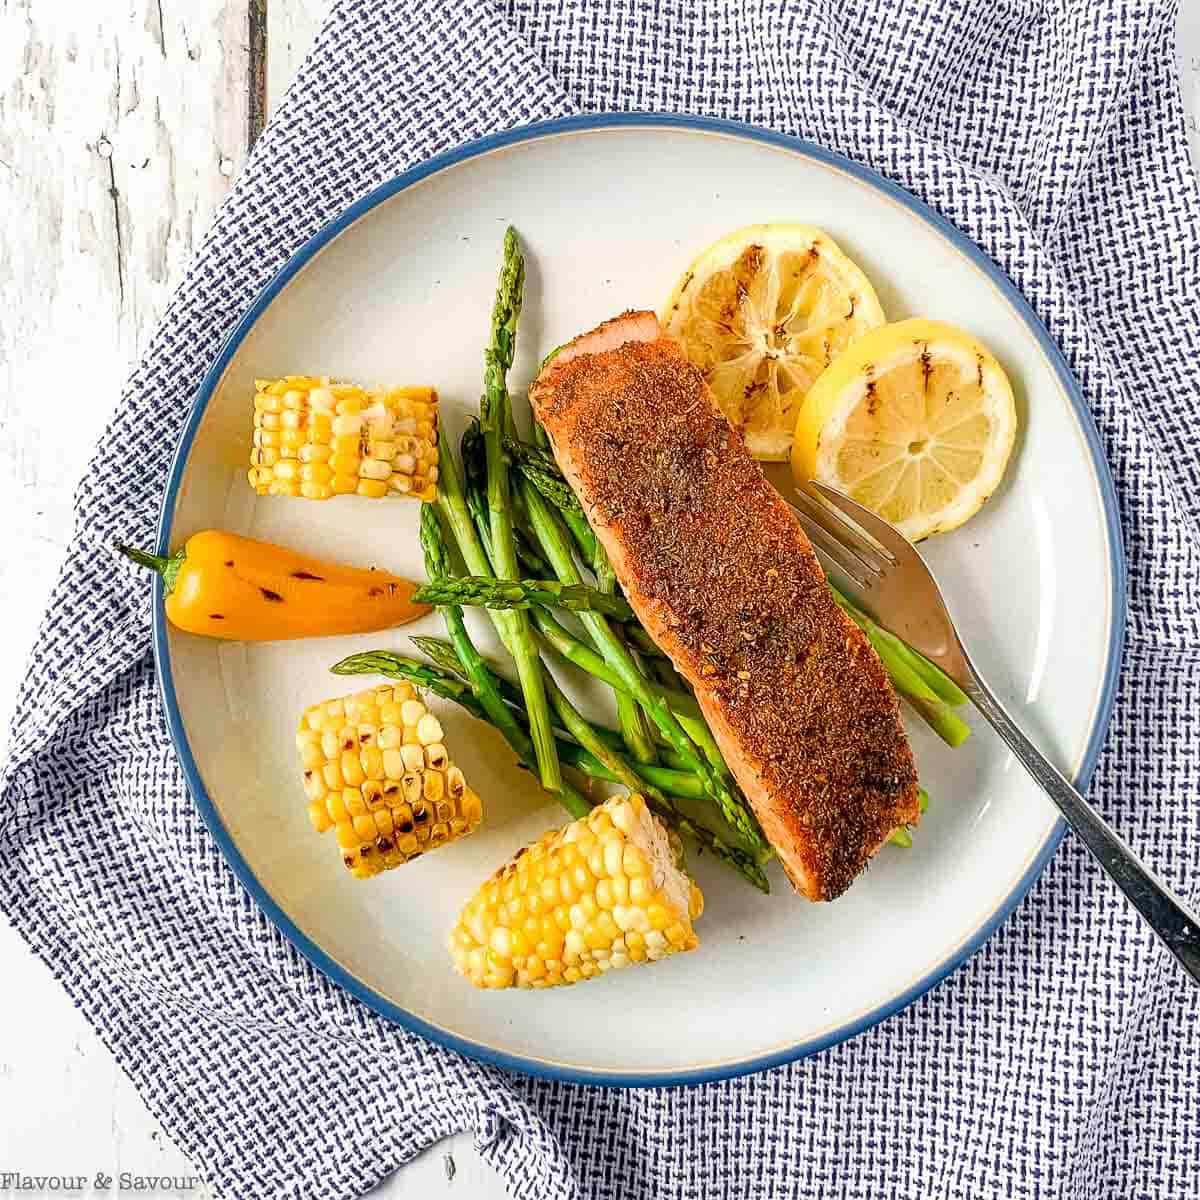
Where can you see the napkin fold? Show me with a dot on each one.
(1063, 1060)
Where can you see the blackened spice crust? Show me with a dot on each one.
(723, 576)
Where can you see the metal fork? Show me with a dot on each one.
(884, 571)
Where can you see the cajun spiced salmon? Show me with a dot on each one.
(724, 579)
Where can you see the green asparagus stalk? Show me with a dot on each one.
(935, 678)
(545, 476)
(497, 360)
(747, 863)
(539, 469)
(643, 642)
(902, 836)
(481, 679)
(635, 728)
(538, 457)
(541, 439)
(561, 640)
(444, 656)
(574, 723)
(475, 491)
(636, 777)
(474, 485)
(485, 592)
(394, 666)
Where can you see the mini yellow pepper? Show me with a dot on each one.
(232, 587)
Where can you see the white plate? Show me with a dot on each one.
(398, 290)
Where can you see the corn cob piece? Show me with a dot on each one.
(376, 770)
(318, 439)
(603, 892)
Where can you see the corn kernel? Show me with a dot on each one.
(353, 802)
(429, 730)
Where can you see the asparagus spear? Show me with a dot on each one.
(443, 654)
(645, 644)
(497, 360)
(539, 467)
(436, 680)
(482, 591)
(475, 491)
(634, 726)
(902, 837)
(482, 681)
(570, 647)
(523, 453)
(636, 777)
(684, 706)
(935, 678)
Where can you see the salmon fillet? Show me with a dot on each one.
(724, 579)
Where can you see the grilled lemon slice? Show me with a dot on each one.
(916, 421)
(762, 313)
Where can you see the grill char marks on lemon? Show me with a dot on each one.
(761, 313)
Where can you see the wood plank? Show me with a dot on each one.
(122, 124)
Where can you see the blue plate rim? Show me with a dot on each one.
(601, 121)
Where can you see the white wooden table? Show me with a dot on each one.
(122, 124)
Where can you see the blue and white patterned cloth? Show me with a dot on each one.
(1063, 1060)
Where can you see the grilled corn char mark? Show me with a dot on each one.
(719, 571)
(377, 771)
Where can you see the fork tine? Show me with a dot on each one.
(849, 532)
(890, 539)
(853, 589)
(845, 534)
(846, 561)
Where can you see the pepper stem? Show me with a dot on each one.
(168, 568)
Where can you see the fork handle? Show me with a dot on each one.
(1176, 927)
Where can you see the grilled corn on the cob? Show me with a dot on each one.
(318, 439)
(376, 770)
(602, 892)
